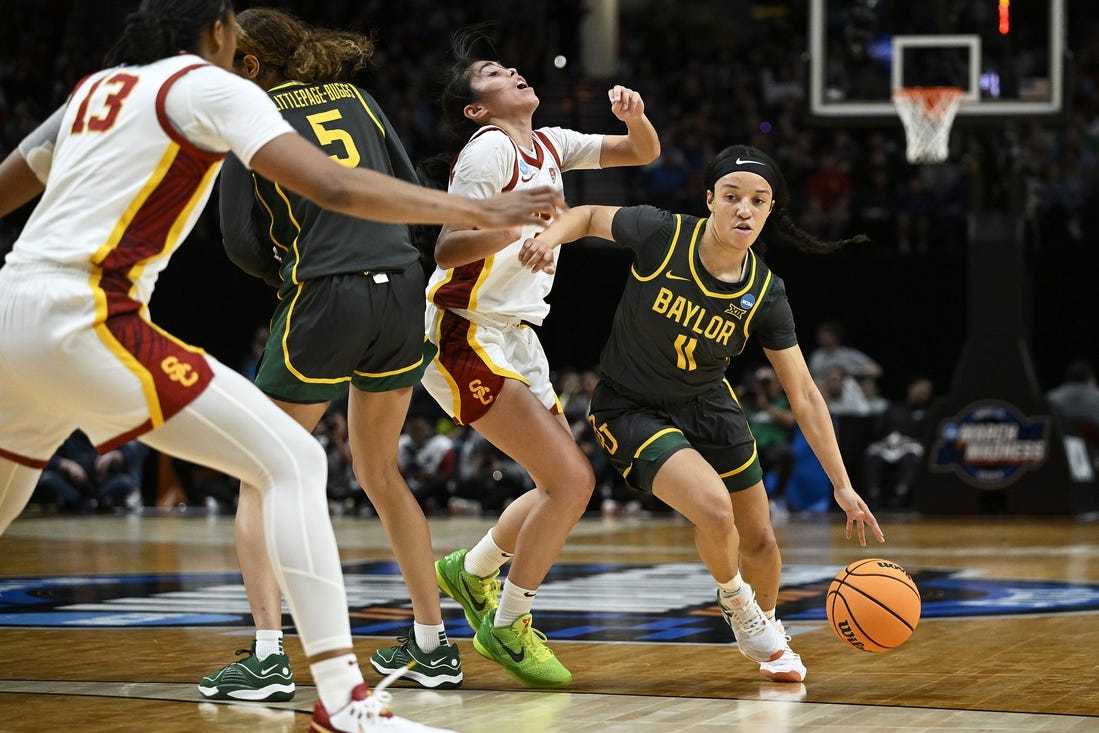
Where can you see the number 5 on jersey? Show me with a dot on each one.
(329, 135)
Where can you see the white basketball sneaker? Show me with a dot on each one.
(367, 712)
(788, 667)
(758, 638)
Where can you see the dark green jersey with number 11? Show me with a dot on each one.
(677, 326)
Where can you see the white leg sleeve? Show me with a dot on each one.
(234, 428)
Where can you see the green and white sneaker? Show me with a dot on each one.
(477, 596)
(521, 650)
(440, 669)
(267, 680)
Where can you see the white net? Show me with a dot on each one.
(927, 114)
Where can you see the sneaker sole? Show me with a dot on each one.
(514, 673)
(271, 693)
(436, 682)
(773, 658)
(788, 676)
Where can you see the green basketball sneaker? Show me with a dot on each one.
(440, 669)
(522, 651)
(476, 595)
(267, 680)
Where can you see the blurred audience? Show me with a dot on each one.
(846, 184)
(831, 353)
(426, 459)
(78, 479)
(772, 422)
(893, 460)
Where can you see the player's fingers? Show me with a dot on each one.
(551, 200)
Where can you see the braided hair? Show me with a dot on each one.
(731, 158)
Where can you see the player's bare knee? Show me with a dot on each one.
(758, 544)
(714, 518)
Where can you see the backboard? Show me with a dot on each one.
(1006, 55)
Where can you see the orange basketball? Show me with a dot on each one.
(873, 605)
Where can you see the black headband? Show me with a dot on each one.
(734, 163)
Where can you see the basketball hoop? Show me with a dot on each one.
(927, 114)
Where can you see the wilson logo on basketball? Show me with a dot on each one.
(849, 635)
(891, 566)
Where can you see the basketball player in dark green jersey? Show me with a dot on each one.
(663, 411)
(351, 312)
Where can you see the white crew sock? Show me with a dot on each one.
(429, 637)
(335, 678)
(514, 602)
(732, 589)
(485, 558)
(268, 642)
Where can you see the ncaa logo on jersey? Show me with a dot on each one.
(747, 301)
(553, 174)
(525, 171)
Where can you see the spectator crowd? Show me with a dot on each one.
(700, 97)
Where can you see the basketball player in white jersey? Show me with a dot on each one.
(491, 372)
(126, 167)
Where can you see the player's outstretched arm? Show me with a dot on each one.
(640, 145)
(457, 246)
(303, 168)
(815, 421)
(584, 221)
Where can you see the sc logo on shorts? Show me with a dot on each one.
(179, 371)
(481, 392)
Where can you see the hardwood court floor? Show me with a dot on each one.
(1008, 640)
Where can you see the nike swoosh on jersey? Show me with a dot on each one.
(747, 161)
(668, 274)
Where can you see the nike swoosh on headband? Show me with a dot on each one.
(752, 162)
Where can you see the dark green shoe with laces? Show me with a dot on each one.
(438, 670)
(252, 679)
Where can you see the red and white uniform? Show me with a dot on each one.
(136, 156)
(133, 164)
(476, 312)
(489, 164)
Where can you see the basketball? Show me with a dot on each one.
(873, 605)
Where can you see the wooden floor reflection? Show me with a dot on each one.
(1029, 672)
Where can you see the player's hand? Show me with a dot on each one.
(626, 104)
(518, 208)
(537, 255)
(858, 514)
